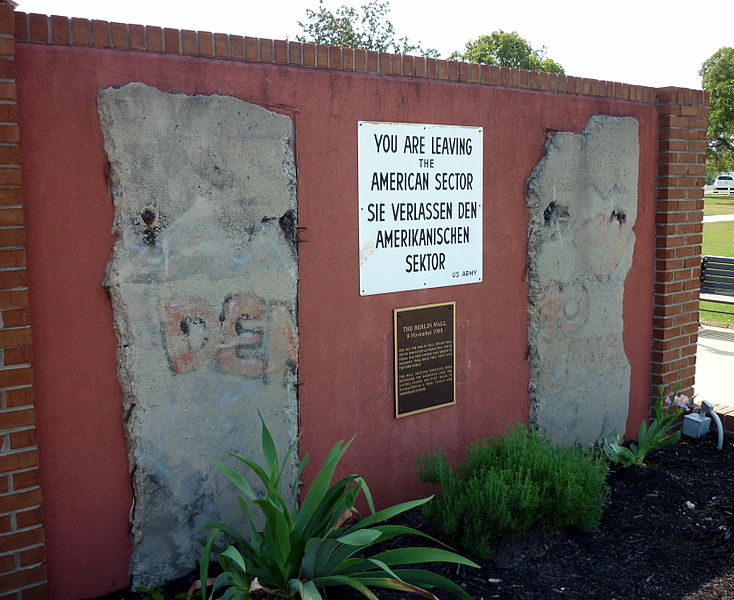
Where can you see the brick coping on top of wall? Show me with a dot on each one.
(682, 117)
(120, 36)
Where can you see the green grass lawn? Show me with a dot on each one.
(718, 205)
(718, 315)
(718, 240)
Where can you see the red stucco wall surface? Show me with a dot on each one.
(346, 341)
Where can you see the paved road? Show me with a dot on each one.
(718, 218)
(715, 365)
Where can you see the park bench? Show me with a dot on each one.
(717, 279)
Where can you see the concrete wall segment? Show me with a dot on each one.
(203, 287)
(582, 198)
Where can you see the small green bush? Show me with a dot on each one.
(510, 482)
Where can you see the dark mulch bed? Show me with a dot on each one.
(650, 544)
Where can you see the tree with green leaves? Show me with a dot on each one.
(367, 28)
(717, 77)
(505, 49)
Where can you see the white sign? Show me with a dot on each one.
(420, 206)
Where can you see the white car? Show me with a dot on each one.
(724, 184)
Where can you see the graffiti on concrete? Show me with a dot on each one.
(196, 334)
(203, 288)
(582, 198)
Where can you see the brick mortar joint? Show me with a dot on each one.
(24, 548)
(678, 104)
(22, 510)
(664, 297)
(671, 129)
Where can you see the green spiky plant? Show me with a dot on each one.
(659, 432)
(301, 551)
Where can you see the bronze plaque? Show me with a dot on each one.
(424, 357)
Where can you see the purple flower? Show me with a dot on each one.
(682, 401)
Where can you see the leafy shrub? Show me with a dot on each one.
(301, 551)
(150, 593)
(158, 593)
(510, 482)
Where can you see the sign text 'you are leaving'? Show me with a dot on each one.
(420, 200)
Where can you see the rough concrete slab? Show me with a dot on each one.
(203, 285)
(582, 198)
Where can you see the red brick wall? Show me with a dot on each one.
(22, 550)
(681, 128)
(679, 234)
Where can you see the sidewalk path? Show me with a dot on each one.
(718, 218)
(715, 365)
